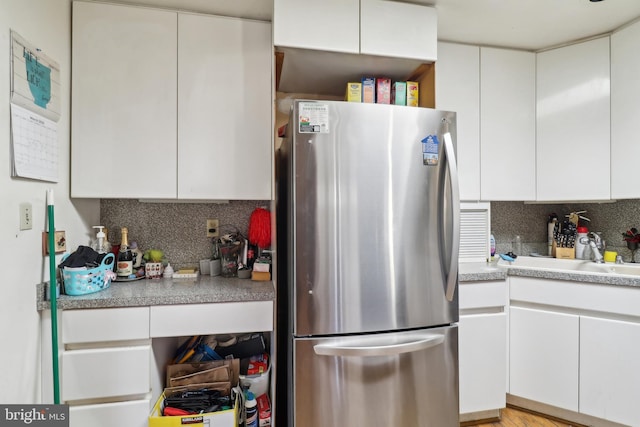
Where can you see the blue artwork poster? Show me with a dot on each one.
(39, 78)
(35, 79)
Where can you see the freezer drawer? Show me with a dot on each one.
(391, 379)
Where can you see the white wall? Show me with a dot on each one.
(46, 24)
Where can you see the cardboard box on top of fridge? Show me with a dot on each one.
(412, 94)
(354, 92)
(368, 89)
(383, 91)
(399, 93)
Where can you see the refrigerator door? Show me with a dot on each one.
(393, 379)
(374, 218)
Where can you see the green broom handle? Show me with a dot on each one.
(53, 287)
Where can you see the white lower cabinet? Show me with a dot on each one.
(111, 371)
(482, 342)
(544, 356)
(610, 369)
(131, 414)
(575, 346)
(105, 366)
(105, 372)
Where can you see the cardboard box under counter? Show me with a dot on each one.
(227, 418)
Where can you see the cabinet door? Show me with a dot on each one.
(610, 369)
(483, 361)
(625, 110)
(573, 122)
(543, 356)
(332, 25)
(458, 89)
(507, 124)
(395, 29)
(133, 413)
(224, 108)
(123, 102)
(96, 373)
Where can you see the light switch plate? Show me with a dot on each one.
(26, 216)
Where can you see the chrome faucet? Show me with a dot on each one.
(596, 243)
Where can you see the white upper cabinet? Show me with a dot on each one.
(396, 29)
(573, 122)
(374, 27)
(458, 89)
(123, 102)
(331, 25)
(625, 111)
(507, 124)
(224, 108)
(168, 105)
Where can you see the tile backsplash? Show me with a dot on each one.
(529, 221)
(179, 229)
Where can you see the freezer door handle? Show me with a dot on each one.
(452, 277)
(359, 348)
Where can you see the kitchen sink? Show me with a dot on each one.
(571, 265)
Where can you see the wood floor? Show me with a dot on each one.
(514, 417)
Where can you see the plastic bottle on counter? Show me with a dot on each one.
(517, 246)
(251, 410)
(168, 271)
(137, 255)
(492, 243)
(583, 251)
(101, 245)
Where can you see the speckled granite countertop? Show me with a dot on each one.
(587, 277)
(480, 271)
(204, 289)
(472, 272)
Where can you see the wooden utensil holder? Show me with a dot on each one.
(563, 253)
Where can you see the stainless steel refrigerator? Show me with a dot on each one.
(367, 259)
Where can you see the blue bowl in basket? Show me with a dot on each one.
(87, 281)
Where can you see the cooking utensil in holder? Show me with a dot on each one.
(86, 281)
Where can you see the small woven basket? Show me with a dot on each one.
(82, 282)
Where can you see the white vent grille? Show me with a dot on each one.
(475, 222)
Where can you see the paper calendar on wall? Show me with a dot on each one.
(35, 109)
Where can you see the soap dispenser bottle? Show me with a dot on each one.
(100, 244)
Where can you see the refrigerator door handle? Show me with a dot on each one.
(452, 277)
(359, 349)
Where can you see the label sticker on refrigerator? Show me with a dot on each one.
(430, 150)
(313, 117)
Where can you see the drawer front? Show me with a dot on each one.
(483, 294)
(623, 300)
(106, 324)
(106, 372)
(204, 319)
(134, 413)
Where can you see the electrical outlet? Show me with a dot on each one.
(26, 216)
(212, 228)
